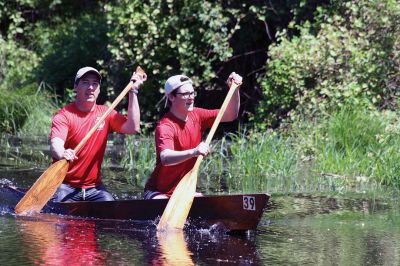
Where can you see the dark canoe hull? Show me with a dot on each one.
(233, 212)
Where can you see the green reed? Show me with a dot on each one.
(25, 111)
(139, 157)
(352, 149)
(251, 162)
(353, 146)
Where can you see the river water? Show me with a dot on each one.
(356, 228)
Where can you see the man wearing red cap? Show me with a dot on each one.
(72, 123)
(178, 134)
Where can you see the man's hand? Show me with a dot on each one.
(233, 77)
(69, 155)
(202, 149)
(137, 79)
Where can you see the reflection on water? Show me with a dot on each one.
(368, 235)
(327, 240)
(173, 248)
(332, 231)
(55, 240)
(50, 240)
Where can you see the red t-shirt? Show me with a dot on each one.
(71, 125)
(175, 134)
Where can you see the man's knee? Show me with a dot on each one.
(62, 192)
(101, 194)
(106, 196)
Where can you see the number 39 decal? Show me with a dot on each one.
(249, 203)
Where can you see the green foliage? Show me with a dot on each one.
(251, 162)
(166, 38)
(17, 65)
(352, 144)
(352, 60)
(139, 158)
(143, 32)
(345, 54)
(67, 46)
(259, 158)
(25, 111)
(22, 109)
(194, 37)
(18, 17)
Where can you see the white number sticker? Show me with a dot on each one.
(249, 203)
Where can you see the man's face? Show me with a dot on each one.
(88, 88)
(184, 98)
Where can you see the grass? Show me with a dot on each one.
(139, 158)
(25, 112)
(351, 150)
(251, 162)
(359, 144)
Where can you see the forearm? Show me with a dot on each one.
(232, 110)
(171, 157)
(132, 124)
(57, 148)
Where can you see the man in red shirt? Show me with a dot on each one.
(71, 124)
(178, 134)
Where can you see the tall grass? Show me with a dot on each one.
(25, 112)
(359, 144)
(351, 149)
(139, 158)
(255, 162)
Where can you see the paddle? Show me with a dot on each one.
(178, 207)
(46, 185)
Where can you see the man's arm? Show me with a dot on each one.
(171, 157)
(232, 110)
(132, 124)
(58, 151)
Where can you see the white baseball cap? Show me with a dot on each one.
(175, 82)
(84, 70)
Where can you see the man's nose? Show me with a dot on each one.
(92, 86)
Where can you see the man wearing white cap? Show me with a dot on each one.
(178, 134)
(72, 123)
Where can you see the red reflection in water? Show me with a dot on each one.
(56, 240)
(51, 240)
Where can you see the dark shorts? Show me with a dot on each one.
(148, 194)
(66, 193)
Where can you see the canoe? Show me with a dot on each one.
(239, 212)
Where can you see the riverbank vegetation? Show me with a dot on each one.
(351, 149)
(319, 103)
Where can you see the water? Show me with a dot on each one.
(297, 229)
(336, 237)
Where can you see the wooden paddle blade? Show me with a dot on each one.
(43, 189)
(178, 207)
